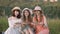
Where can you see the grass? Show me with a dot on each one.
(54, 25)
(3, 23)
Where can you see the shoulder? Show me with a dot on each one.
(20, 19)
(10, 18)
(44, 16)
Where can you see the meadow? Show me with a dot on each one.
(53, 24)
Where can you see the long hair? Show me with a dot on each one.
(29, 16)
(41, 15)
(13, 13)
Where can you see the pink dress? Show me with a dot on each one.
(41, 29)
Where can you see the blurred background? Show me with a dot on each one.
(51, 10)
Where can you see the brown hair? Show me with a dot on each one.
(41, 15)
(29, 16)
(13, 13)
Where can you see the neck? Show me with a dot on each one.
(38, 18)
(26, 19)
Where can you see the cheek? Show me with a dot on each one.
(16, 13)
(34, 12)
(26, 14)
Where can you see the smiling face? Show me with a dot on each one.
(16, 13)
(38, 12)
(27, 16)
(26, 13)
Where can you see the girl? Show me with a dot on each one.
(14, 22)
(40, 21)
(27, 20)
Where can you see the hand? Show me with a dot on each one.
(41, 23)
(14, 25)
(33, 25)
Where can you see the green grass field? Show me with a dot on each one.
(54, 26)
(52, 23)
(3, 23)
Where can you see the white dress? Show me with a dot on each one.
(12, 29)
